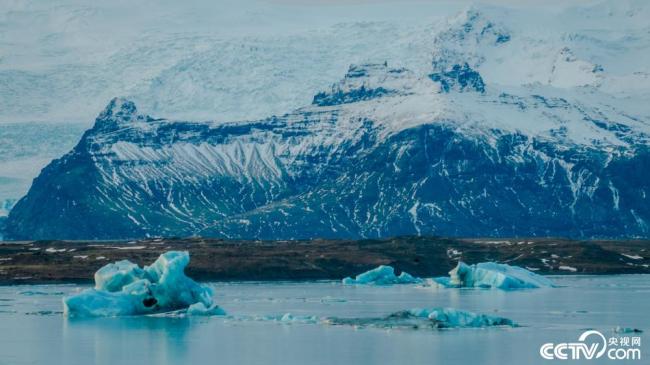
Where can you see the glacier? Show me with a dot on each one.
(493, 275)
(123, 289)
(433, 318)
(488, 136)
(382, 275)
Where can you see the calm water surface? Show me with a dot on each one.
(33, 330)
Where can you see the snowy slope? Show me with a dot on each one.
(507, 129)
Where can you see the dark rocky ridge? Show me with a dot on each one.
(429, 180)
(55, 261)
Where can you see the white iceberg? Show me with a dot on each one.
(493, 275)
(123, 288)
(382, 275)
(433, 318)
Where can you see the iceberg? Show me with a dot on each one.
(493, 275)
(123, 288)
(382, 275)
(433, 318)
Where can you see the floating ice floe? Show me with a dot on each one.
(382, 275)
(493, 275)
(39, 293)
(433, 318)
(427, 319)
(620, 329)
(290, 318)
(123, 288)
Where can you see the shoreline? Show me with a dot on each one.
(219, 260)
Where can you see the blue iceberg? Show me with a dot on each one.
(493, 275)
(123, 288)
(382, 275)
(433, 318)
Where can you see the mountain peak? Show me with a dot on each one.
(475, 25)
(119, 109)
(466, 35)
(118, 112)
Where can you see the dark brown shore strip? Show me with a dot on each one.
(220, 260)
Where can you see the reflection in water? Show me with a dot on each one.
(157, 340)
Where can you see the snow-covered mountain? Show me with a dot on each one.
(509, 130)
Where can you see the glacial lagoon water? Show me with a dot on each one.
(34, 331)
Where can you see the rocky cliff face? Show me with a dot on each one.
(384, 152)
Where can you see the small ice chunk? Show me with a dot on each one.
(199, 309)
(329, 299)
(493, 275)
(123, 288)
(382, 275)
(620, 329)
(288, 318)
(39, 293)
